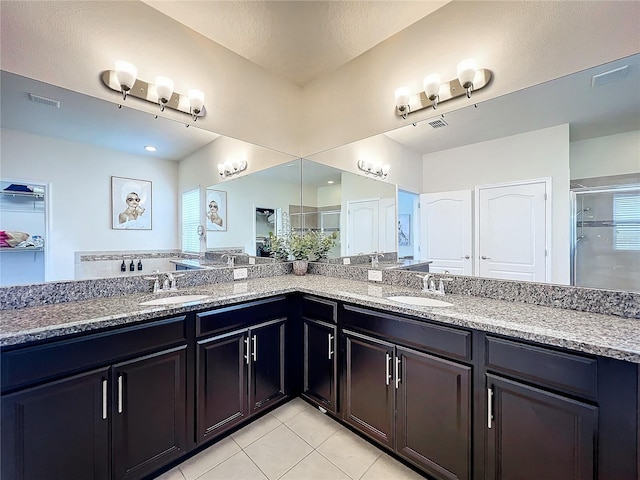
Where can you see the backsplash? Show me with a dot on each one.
(608, 302)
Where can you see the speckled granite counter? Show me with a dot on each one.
(597, 334)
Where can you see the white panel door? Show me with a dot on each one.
(388, 225)
(363, 227)
(446, 231)
(512, 231)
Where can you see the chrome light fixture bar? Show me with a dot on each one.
(375, 169)
(435, 93)
(229, 168)
(160, 93)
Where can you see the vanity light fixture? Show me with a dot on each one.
(229, 167)
(124, 80)
(470, 78)
(375, 169)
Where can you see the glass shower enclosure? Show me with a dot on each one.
(606, 237)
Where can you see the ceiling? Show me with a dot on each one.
(299, 40)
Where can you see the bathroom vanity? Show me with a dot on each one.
(483, 389)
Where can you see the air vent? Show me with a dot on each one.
(610, 76)
(44, 100)
(439, 123)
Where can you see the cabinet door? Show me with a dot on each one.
(58, 430)
(434, 414)
(266, 377)
(369, 392)
(149, 416)
(221, 384)
(535, 434)
(320, 366)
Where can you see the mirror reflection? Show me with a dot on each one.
(503, 184)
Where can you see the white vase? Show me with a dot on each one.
(300, 266)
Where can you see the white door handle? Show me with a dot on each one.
(485, 258)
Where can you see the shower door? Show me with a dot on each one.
(606, 238)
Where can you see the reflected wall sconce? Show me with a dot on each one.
(229, 168)
(124, 80)
(375, 169)
(470, 78)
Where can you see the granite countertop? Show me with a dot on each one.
(597, 334)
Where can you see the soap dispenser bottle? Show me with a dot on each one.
(132, 267)
(139, 264)
(123, 267)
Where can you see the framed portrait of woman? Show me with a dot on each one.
(216, 208)
(130, 204)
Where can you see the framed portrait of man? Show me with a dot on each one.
(130, 204)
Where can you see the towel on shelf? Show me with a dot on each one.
(12, 239)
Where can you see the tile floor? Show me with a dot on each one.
(294, 442)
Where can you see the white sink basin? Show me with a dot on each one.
(174, 300)
(420, 301)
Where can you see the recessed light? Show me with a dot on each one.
(330, 181)
(150, 148)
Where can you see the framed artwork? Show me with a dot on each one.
(216, 208)
(404, 229)
(130, 204)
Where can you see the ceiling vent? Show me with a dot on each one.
(44, 100)
(439, 123)
(610, 76)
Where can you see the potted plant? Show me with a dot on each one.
(300, 247)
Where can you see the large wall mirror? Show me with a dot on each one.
(573, 142)
(73, 146)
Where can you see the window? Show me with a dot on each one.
(626, 220)
(190, 221)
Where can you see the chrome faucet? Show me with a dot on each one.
(230, 259)
(429, 286)
(168, 285)
(374, 258)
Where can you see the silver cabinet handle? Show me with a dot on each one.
(489, 407)
(246, 343)
(120, 393)
(330, 345)
(485, 258)
(398, 361)
(255, 348)
(388, 360)
(104, 399)
(466, 257)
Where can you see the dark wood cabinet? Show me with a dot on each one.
(149, 414)
(369, 391)
(320, 363)
(534, 434)
(58, 430)
(238, 374)
(433, 422)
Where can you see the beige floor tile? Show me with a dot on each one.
(290, 409)
(315, 467)
(173, 474)
(209, 458)
(238, 467)
(388, 468)
(252, 432)
(278, 451)
(349, 452)
(313, 426)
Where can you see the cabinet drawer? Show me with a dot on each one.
(319, 309)
(544, 366)
(25, 366)
(434, 338)
(216, 322)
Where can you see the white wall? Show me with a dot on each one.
(603, 156)
(80, 195)
(538, 154)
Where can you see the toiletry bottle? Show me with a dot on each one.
(132, 267)
(139, 264)
(123, 267)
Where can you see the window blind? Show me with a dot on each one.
(626, 219)
(190, 221)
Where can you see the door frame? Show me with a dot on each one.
(547, 220)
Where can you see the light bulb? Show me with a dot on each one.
(432, 86)
(164, 89)
(466, 73)
(196, 102)
(126, 74)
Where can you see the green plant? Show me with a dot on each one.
(308, 245)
